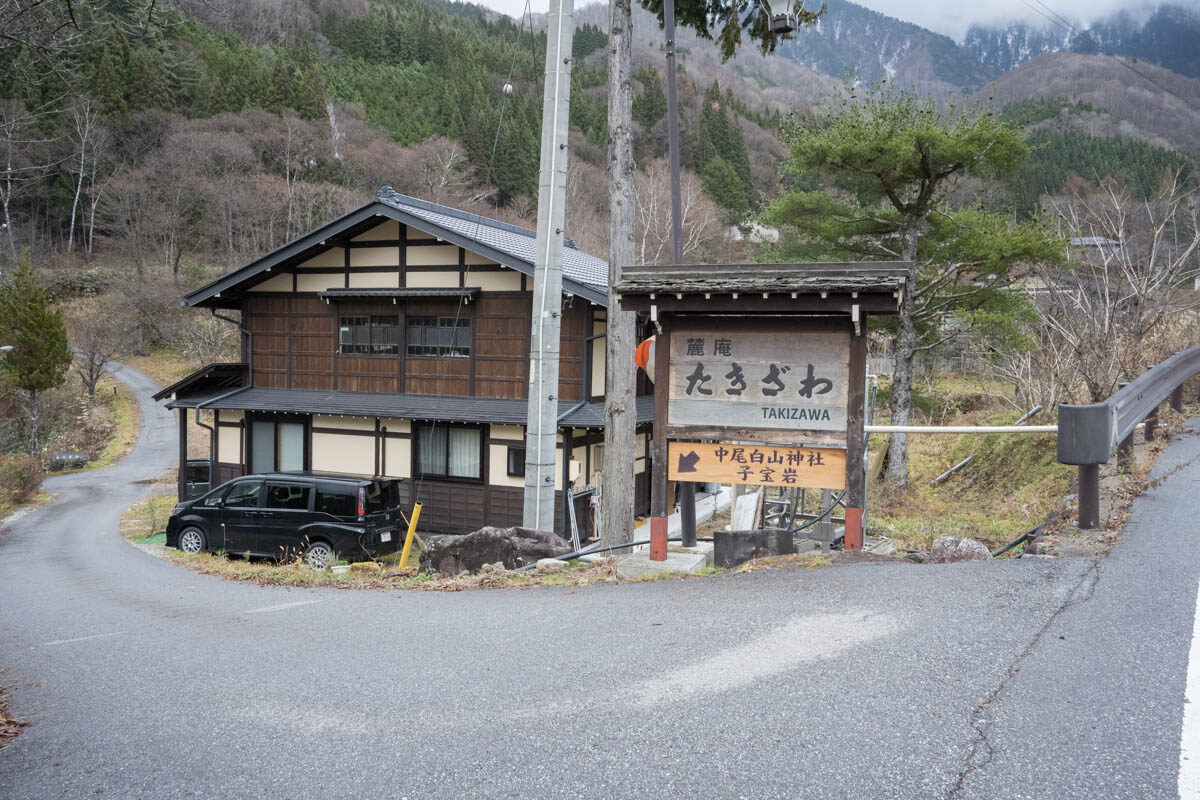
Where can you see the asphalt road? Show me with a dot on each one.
(1032, 678)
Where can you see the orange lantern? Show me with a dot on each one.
(643, 356)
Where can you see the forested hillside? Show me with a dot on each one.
(187, 137)
(172, 134)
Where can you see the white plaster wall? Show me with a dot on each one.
(431, 280)
(345, 423)
(333, 257)
(432, 255)
(319, 281)
(375, 257)
(333, 452)
(375, 280)
(276, 283)
(506, 281)
(386, 231)
(398, 458)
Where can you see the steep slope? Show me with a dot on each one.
(1130, 104)
(1169, 37)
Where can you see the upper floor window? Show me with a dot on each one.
(378, 334)
(439, 337)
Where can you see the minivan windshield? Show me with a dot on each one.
(382, 496)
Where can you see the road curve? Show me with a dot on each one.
(142, 679)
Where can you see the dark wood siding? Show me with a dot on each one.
(313, 329)
(295, 347)
(502, 345)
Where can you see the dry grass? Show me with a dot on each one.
(127, 419)
(1011, 484)
(145, 521)
(164, 364)
(296, 573)
(10, 727)
(8, 508)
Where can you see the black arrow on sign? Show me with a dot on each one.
(687, 463)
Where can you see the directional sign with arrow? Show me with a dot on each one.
(688, 461)
(757, 464)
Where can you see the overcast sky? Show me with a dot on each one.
(951, 17)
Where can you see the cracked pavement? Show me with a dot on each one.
(884, 680)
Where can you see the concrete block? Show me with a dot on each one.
(737, 547)
(679, 559)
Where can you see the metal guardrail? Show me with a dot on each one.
(1088, 435)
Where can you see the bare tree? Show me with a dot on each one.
(47, 32)
(653, 191)
(98, 337)
(21, 162)
(620, 407)
(1132, 268)
(84, 115)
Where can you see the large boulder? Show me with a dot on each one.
(948, 549)
(512, 547)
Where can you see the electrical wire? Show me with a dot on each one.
(1057, 19)
(478, 218)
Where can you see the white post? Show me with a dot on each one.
(542, 426)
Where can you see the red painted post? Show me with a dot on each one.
(1177, 398)
(854, 529)
(1089, 496)
(658, 538)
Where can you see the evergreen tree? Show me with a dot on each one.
(40, 356)
(107, 85)
(149, 83)
(281, 87)
(720, 136)
(651, 105)
(725, 187)
(896, 155)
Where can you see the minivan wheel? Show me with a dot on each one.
(319, 555)
(191, 540)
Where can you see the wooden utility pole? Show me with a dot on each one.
(620, 373)
(687, 495)
(542, 425)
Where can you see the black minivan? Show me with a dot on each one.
(322, 516)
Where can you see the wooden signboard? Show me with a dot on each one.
(757, 464)
(757, 383)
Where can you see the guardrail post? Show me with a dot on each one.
(1151, 424)
(1177, 398)
(1089, 496)
(1125, 454)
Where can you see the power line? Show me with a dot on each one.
(478, 217)
(1060, 21)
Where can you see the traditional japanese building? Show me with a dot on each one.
(394, 341)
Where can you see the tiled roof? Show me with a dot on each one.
(512, 239)
(510, 245)
(402, 406)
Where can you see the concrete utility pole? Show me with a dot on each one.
(542, 427)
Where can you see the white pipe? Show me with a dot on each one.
(961, 428)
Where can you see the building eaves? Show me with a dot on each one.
(506, 244)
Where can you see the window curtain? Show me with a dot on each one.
(262, 446)
(464, 452)
(431, 449)
(291, 446)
